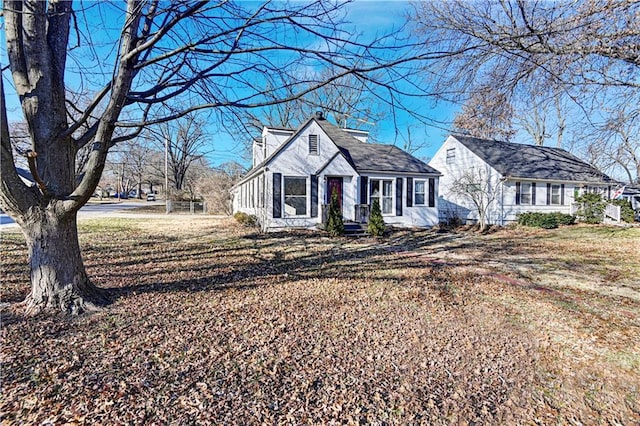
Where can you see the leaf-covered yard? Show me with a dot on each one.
(213, 323)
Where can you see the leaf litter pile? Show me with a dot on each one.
(214, 323)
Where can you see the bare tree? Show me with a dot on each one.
(215, 187)
(477, 187)
(618, 145)
(542, 114)
(167, 60)
(573, 58)
(486, 115)
(568, 44)
(185, 141)
(345, 99)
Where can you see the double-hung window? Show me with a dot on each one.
(525, 193)
(295, 196)
(451, 156)
(382, 190)
(419, 193)
(556, 199)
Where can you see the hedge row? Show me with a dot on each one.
(545, 220)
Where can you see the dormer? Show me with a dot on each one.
(361, 135)
(271, 139)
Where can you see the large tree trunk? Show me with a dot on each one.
(58, 277)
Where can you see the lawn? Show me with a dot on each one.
(214, 323)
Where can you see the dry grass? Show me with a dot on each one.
(211, 323)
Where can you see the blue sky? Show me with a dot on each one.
(368, 19)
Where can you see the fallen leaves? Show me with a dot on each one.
(212, 324)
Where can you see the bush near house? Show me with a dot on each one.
(246, 219)
(626, 211)
(545, 220)
(376, 223)
(591, 208)
(335, 225)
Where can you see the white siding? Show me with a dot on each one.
(504, 209)
(452, 205)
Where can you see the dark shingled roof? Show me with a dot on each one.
(533, 162)
(370, 157)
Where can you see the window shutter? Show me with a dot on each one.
(533, 193)
(399, 196)
(562, 194)
(364, 190)
(548, 193)
(314, 195)
(409, 192)
(517, 193)
(277, 195)
(432, 192)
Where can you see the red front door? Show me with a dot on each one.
(334, 184)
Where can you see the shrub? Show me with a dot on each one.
(246, 219)
(335, 225)
(626, 211)
(563, 218)
(591, 208)
(376, 223)
(545, 220)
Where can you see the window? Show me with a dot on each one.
(382, 190)
(525, 193)
(555, 195)
(295, 196)
(419, 192)
(451, 155)
(313, 145)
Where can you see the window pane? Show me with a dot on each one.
(419, 199)
(555, 194)
(375, 188)
(295, 196)
(420, 187)
(387, 205)
(386, 188)
(295, 186)
(451, 155)
(295, 206)
(525, 193)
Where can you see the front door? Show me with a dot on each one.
(334, 184)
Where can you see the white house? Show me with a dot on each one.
(512, 178)
(631, 193)
(295, 172)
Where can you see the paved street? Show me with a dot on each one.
(92, 210)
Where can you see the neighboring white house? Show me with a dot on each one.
(295, 172)
(631, 193)
(514, 178)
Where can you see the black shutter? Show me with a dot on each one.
(314, 195)
(364, 190)
(399, 196)
(432, 192)
(562, 194)
(533, 193)
(517, 193)
(277, 195)
(548, 193)
(409, 192)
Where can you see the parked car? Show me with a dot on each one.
(151, 197)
